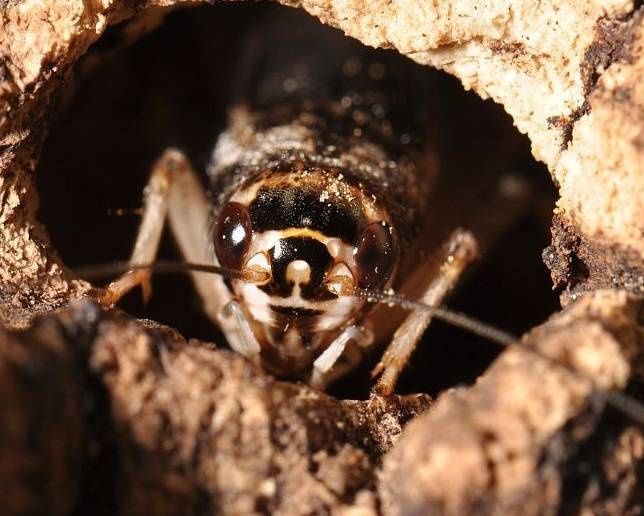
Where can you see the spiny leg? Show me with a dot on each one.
(460, 251)
(172, 187)
(174, 191)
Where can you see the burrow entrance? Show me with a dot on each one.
(127, 103)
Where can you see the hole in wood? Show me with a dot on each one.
(170, 88)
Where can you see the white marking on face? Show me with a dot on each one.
(299, 272)
(335, 312)
(338, 312)
(256, 301)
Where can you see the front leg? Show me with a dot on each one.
(175, 192)
(342, 355)
(155, 208)
(460, 251)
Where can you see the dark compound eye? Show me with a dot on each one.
(375, 255)
(233, 234)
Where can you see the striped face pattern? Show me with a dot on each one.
(310, 236)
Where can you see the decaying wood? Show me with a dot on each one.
(523, 440)
(100, 410)
(104, 411)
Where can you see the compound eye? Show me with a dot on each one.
(375, 255)
(233, 232)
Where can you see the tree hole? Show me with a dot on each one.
(126, 103)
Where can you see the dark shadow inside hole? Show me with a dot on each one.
(126, 105)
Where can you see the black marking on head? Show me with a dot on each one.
(310, 250)
(276, 208)
(304, 320)
(294, 311)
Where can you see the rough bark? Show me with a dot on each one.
(105, 412)
(517, 441)
(569, 75)
(102, 412)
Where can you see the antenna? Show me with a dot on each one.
(94, 272)
(447, 315)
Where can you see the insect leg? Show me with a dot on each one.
(173, 191)
(460, 251)
(340, 356)
(233, 320)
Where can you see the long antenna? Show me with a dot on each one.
(616, 399)
(94, 272)
(452, 317)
